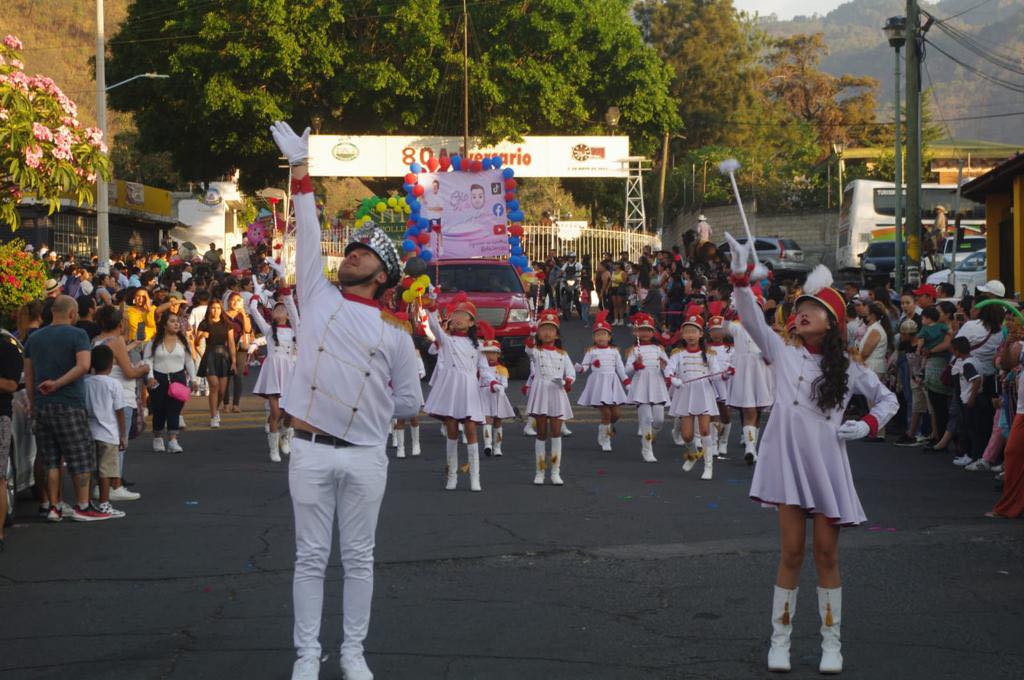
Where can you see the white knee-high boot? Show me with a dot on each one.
(690, 455)
(750, 444)
(274, 443)
(400, 443)
(540, 454)
(451, 468)
(499, 434)
(710, 445)
(830, 606)
(783, 611)
(286, 440)
(647, 445)
(606, 445)
(473, 451)
(394, 435)
(677, 438)
(530, 429)
(556, 461)
(414, 435)
(488, 439)
(723, 440)
(657, 418)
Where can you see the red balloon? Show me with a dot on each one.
(432, 165)
(410, 178)
(516, 229)
(423, 238)
(445, 162)
(407, 282)
(464, 164)
(510, 195)
(417, 190)
(476, 166)
(510, 184)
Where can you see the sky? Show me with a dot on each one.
(787, 9)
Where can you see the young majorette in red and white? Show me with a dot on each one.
(548, 399)
(497, 407)
(604, 386)
(644, 364)
(803, 467)
(398, 428)
(455, 396)
(722, 383)
(278, 367)
(750, 389)
(691, 368)
(355, 370)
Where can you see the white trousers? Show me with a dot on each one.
(326, 482)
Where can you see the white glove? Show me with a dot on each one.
(854, 429)
(676, 382)
(740, 259)
(292, 146)
(579, 368)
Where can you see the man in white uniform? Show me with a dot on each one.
(355, 371)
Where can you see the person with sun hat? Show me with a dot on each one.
(803, 468)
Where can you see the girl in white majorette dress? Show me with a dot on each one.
(548, 399)
(497, 407)
(455, 396)
(644, 364)
(278, 367)
(723, 354)
(803, 467)
(751, 388)
(604, 386)
(691, 368)
(398, 427)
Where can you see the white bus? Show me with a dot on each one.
(869, 210)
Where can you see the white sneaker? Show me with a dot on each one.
(215, 421)
(181, 423)
(158, 444)
(306, 668)
(65, 509)
(110, 510)
(963, 461)
(997, 468)
(122, 493)
(355, 668)
(980, 465)
(173, 446)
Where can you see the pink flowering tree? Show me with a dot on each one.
(44, 150)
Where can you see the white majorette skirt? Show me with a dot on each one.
(548, 399)
(694, 399)
(602, 389)
(751, 386)
(496, 404)
(647, 387)
(275, 373)
(455, 395)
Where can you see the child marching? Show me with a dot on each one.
(644, 364)
(548, 401)
(751, 388)
(497, 407)
(455, 396)
(278, 367)
(691, 368)
(604, 386)
(723, 355)
(804, 469)
(398, 429)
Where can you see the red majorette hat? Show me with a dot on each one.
(601, 322)
(461, 303)
(486, 332)
(716, 322)
(549, 317)
(715, 308)
(693, 317)
(818, 287)
(642, 320)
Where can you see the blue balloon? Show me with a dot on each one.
(413, 204)
(513, 241)
(486, 163)
(410, 232)
(527, 269)
(408, 188)
(508, 173)
(496, 162)
(516, 216)
(416, 168)
(517, 250)
(426, 255)
(408, 245)
(455, 162)
(512, 205)
(423, 223)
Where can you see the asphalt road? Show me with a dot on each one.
(630, 570)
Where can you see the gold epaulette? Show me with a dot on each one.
(501, 370)
(710, 352)
(389, 318)
(676, 351)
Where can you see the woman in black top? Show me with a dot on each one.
(236, 315)
(218, 362)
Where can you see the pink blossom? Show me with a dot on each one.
(90, 177)
(94, 135)
(41, 132)
(19, 80)
(33, 155)
(17, 63)
(71, 122)
(12, 42)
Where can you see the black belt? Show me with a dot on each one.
(329, 440)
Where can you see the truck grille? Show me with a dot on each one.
(492, 315)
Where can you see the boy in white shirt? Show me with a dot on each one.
(200, 303)
(105, 403)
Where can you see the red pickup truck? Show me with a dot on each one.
(496, 290)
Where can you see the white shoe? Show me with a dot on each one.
(647, 446)
(274, 446)
(783, 610)
(158, 444)
(415, 436)
(980, 465)
(997, 468)
(565, 431)
(556, 461)
(215, 421)
(181, 423)
(709, 457)
(830, 606)
(355, 668)
(110, 510)
(173, 446)
(122, 493)
(306, 668)
(529, 429)
(398, 442)
(963, 461)
(692, 454)
(677, 437)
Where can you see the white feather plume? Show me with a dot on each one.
(819, 279)
(728, 165)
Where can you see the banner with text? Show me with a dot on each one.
(391, 156)
(469, 209)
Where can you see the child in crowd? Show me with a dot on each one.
(644, 364)
(547, 402)
(723, 353)
(105, 402)
(968, 371)
(496, 404)
(604, 387)
(278, 366)
(398, 429)
(915, 374)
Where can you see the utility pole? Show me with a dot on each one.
(465, 79)
(661, 185)
(898, 181)
(913, 90)
(102, 197)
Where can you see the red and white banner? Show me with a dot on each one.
(391, 156)
(470, 209)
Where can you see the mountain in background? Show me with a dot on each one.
(853, 32)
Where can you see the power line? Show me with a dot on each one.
(974, 47)
(961, 13)
(1009, 85)
(938, 109)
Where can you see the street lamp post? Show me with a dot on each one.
(895, 32)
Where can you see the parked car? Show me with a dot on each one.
(877, 263)
(496, 290)
(964, 247)
(779, 255)
(968, 274)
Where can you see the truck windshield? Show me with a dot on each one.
(484, 278)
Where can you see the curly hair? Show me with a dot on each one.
(830, 387)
